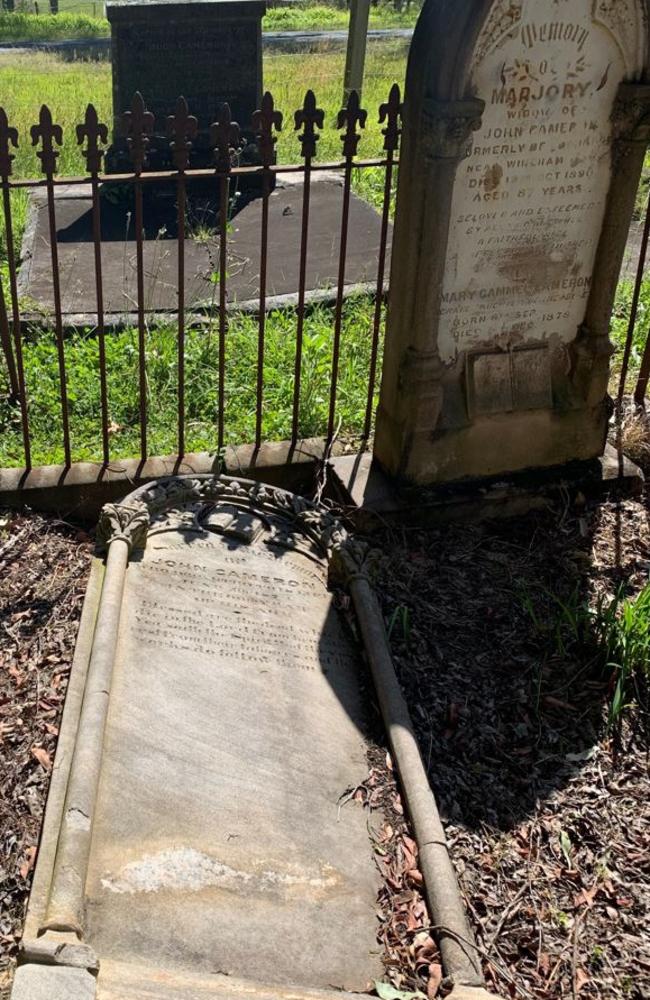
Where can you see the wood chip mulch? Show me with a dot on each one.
(44, 566)
(410, 955)
(546, 814)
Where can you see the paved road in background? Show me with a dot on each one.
(286, 41)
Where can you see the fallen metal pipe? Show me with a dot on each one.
(460, 957)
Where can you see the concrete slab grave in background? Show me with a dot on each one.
(215, 841)
(75, 249)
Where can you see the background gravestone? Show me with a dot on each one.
(208, 52)
(508, 247)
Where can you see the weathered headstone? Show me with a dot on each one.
(508, 246)
(197, 833)
(208, 51)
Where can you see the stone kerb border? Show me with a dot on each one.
(122, 530)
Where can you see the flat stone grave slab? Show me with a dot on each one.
(76, 261)
(223, 842)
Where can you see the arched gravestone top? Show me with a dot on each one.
(526, 125)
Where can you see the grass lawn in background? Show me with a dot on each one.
(26, 81)
(25, 27)
(85, 19)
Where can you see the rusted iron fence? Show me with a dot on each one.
(138, 123)
(634, 328)
(640, 388)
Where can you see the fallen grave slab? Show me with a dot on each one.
(214, 840)
(202, 837)
(76, 261)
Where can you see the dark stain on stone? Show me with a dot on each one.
(493, 177)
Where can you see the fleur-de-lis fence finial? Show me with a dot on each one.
(309, 118)
(351, 116)
(8, 140)
(391, 113)
(96, 135)
(224, 134)
(48, 134)
(182, 128)
(138, 128)
(265, 120)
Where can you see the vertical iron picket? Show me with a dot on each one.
(350, 117)
(182, 128)
(265, 120)
(50, 135)
(225, 138)
(95, 132)
(391, 114)
(641, 389)
(138, 126)
(634, 308)
(9, 141)
(308, 118)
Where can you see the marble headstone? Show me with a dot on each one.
(512, 215)
(222, 851)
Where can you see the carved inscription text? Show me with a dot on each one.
(529, 202)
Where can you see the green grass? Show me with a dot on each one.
(619, 331)
(202, 360)
(312, 17)
(26, 80)
(22, 27)
(84, 19)
(625, 646)
(610, 638)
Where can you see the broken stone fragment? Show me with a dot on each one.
(47, 982)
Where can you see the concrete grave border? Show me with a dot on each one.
(54, 933)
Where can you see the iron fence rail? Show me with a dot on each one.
(138, 127)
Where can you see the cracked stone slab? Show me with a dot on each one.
(233, 732)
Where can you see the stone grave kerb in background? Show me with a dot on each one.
(526, 126)
(208, 51)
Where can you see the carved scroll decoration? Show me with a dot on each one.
(626, 21)
(502, 21)
(130, 521)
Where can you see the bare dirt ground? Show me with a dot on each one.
(547, 816)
